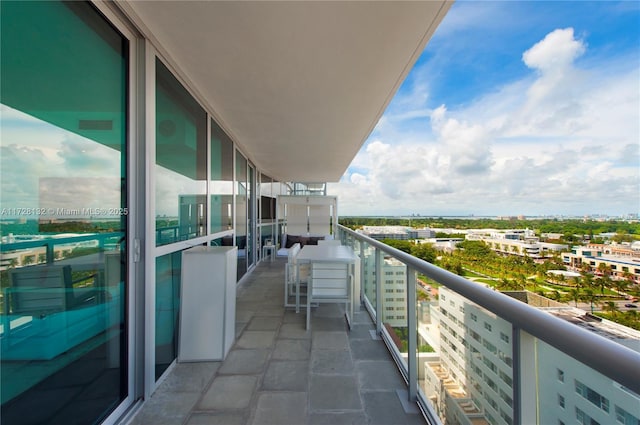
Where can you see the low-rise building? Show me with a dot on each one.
(521, 242)
(622, 260)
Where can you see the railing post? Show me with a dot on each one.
(378, 291)
(516, 365)
(362, 271)
(525, 379)
(49, 252)
(412, 334)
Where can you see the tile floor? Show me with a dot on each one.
(278, 373)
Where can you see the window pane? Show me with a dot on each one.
(181, 162)
(168, 278)
(241, 213)
(221, 186)
(63, 195)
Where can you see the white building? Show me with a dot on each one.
(623, 260)
(394, 297)
(425, 233)
(472, 382)
(574, 392)
(521, 242)
(386, 232)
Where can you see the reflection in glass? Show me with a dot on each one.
(221, 184)
(181, 162)
(63, 195)
(241, 213)
(251, 223)
(168, 278)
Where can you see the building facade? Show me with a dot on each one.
(623, 262)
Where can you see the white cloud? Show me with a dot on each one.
(563, 139)
(46, 166)
(556, 52)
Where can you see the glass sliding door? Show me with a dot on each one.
(221, 184)
(180, 200)
(168, 278)
(241, 212)
(251, 212)
(63, 174)
(181, 162)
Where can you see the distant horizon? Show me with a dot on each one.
(626, 216)
(630, 216)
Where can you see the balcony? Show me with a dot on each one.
(279, 373)
(478, 357)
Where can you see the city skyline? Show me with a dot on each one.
(513, 108)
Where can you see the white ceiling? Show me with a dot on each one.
(298, 85)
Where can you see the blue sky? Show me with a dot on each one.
(513, 108)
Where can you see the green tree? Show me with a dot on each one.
(402, 245)
(600, 282)
(604, 269)
(587, 281)
(589, 296)
(575, 295)
(424, 251)
(611, 307)
(475, 249)
(621, 285)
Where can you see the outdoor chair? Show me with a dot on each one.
(330, 283)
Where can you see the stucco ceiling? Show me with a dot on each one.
(298, 85)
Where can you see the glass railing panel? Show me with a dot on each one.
(473, 369)
(568, 391)
(464, 358)
(368, 261)
(393, 302)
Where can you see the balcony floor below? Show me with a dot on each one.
(279, 373)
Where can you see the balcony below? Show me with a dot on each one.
(279, 373)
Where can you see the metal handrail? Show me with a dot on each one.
(610, 358)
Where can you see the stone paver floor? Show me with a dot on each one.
(278, 373)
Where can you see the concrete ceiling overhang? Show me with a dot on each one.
(298, 85)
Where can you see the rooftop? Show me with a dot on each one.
(279, 373)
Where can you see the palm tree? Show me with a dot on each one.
(605, 269)
(589, 296)
(611, 307)
(601, 283)
(621, 285)
(628, 279)
(575, 295)
(504, 284)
